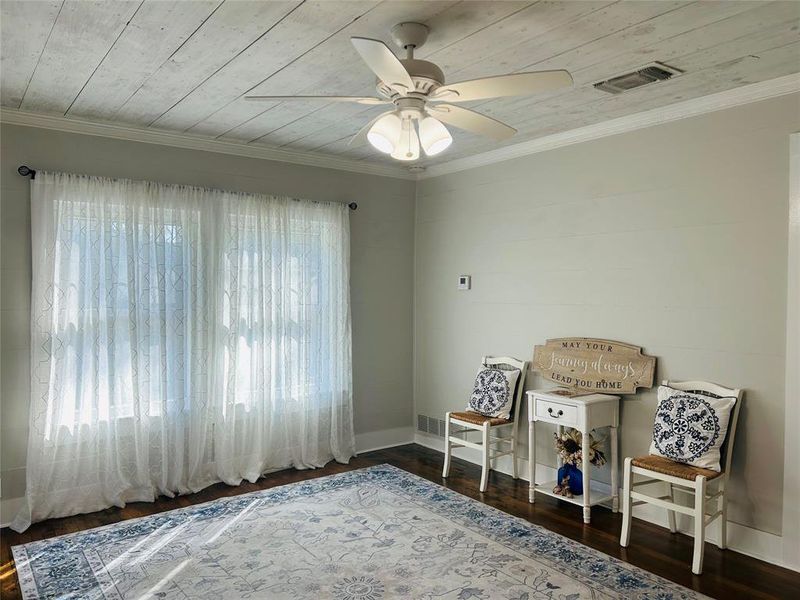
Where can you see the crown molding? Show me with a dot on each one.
(688, 108)
(681, 110)
(193, 142)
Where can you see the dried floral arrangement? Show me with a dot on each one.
(569, 448)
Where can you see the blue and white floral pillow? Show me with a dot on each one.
(690, 428)
(493, 392)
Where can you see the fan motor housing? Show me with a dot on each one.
(426, 76)
(423, 69)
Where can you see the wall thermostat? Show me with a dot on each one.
(464, 282)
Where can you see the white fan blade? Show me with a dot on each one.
(358, 99)
(469, 120)
(384, 63)
(361, 136)
(516, 84)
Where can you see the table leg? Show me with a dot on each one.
(559, 460)
(531, 460)
(614, 471)
(587, 511)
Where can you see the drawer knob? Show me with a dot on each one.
(558, 414)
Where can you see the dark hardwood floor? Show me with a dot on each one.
(727, 574)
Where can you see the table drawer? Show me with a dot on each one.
(554, 412)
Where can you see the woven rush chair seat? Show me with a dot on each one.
(479, 419)
(659, 464)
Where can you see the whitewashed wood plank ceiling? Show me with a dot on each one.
(186, 65)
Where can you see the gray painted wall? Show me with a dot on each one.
(381, 253)
(672, 237)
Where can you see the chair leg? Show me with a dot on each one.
(723, 523)
(485, 462)
(514, 469)
(699, 524)
(627, 474)
(447, 447)
(671, 513)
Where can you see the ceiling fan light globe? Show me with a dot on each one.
(434, 136)
(384, 133)
(407, 148)
(380, 143)
(438, 147)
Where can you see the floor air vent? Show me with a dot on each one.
(430, 425)
(629, 81)
(435, 426)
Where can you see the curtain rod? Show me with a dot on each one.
(25, 171)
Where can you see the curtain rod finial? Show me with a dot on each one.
(353, 206)
(24, 170)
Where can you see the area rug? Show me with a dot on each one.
(368, 534)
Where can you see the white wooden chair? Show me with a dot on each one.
(490, 446)
(704, 484)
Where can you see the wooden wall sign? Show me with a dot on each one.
(593, 365)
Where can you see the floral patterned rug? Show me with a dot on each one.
(369, 534)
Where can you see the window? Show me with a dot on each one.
(182, 336)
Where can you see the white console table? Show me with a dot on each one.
(583, 413)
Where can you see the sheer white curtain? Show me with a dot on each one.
(181, 336)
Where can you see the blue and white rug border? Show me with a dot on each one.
(19, 552)
(503, 528)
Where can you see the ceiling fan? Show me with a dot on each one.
(423, 102)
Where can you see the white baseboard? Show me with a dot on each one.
(385, 438)
(745, 540)
(502, 464)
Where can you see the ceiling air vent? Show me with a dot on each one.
(649, 74)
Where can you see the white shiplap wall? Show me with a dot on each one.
(672, 237)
